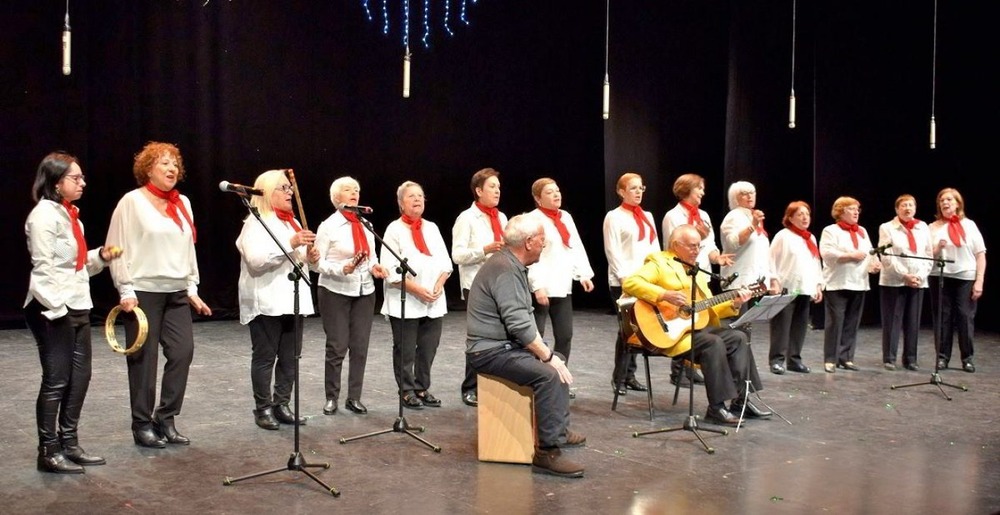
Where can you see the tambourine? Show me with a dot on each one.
(140, 339)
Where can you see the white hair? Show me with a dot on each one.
(336, 187)
(734, 192)
(520, 228)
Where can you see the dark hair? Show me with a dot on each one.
(479, 178)
(50, 171)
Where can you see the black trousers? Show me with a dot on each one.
(560, 310)
(169, 318)
(469, 383)
(551, 395)
(414, 345)
(843, 316)
(788, 332)
(900, 307)
(624, 360)
(347, 322)
(958, 316)
(274, 351)
(726, 362)
(64, 352)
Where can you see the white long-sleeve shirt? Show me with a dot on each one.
(849, 275)
(428, 269)
(157, 255)
(964, 257)
(55, 282)
(559, 265)
(264, 286)
(894, 268)
(794, 266)
(472, 231)
(752, 260)
(335, 243)
(679, 216)
(622, 246)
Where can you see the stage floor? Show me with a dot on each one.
(853, 444)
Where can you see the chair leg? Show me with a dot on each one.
(677, 389)
(649, 386)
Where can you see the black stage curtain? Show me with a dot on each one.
(697, 86)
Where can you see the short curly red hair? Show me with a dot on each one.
(148, 156)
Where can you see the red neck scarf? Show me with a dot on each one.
(854, 229)
(174, 204)
(806, 235)
(641, 221)
(358, 232)
(955, 230)
(81, 244)
(909, 232)
(416, 226)
(556, 216)
(694, 214)
(760, 228)
(288, 218)
(494, 215)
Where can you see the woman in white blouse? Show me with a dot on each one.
(958, 239)
(796, 263)
(903, 281)
(563, 261)
(847, 261)
(416, 325)
(158, 272)
(689, 189)
(57, 310)
(348, 267)
(267, 297)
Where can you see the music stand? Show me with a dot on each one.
(936, 375)
(296, 462)
(766, 308)
(691, 422)
(400, 425)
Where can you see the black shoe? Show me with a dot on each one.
(798, 367)
(551, 461)
(752, 411)
(968, 366)
(777, 368)
(680, 380)
(148, 438)
(51, 459)
(169, 432)
(634, 384)
(284, 415)
(429, 400)
(942, 363)
(848, 365)
(698, 377)
(411, 401)
(470, 398)
(77, 455)
(330, 407)
(911, 366)
(264, 418)
(355, 406)
(721, 416)
(572, 394)
(618, 388)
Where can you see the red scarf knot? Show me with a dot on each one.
(288, 218)
(909, 232)
(556, 216)
(641, 221)
(854, 229)
(494, 215)
(174, 204)
(694, 214)
(416, 230)
(358, 232)
(955, 230)
(808, 237)
(81, 244)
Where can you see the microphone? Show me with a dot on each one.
(361, 210)
(880, 249)
(66, 42)
(240, 189)
(726, 281)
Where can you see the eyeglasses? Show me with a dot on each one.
(638, 189)
(77, 178)
(690, 246)
(286, 188)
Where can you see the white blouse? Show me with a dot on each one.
(335, 242)
(157, 255)
(752, 260)
(794, 266)
(622, 246)
(893, 267)
(964, 257)
(55, 282)
(472, 231)
(264, 285)
(428, 269)
(679, 216)
(850, 275)
(559, 265)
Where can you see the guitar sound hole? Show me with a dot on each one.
(685, 311)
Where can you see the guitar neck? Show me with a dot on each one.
(716, 300)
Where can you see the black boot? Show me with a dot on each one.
(52, 459)
(284, 415)
(76, 454)
(169, 432)
(264, 418)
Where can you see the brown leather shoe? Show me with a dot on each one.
(574, 439)
(551, 461)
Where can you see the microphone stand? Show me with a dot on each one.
(939, 307)
(296, 462)
(400, 425)
(691, 422)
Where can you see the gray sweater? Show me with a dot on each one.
(499, 305)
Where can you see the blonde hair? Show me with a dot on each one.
(841, 204)
(538, 186)
(959, 211)
(267, 182)
(624, 179)
(686, 183)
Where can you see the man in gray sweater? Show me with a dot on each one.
(503, 341)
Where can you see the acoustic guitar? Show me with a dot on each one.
(662, 326)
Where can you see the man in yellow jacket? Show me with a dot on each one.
(726, 361)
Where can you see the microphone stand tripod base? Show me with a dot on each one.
(690, 424)
(399, 426)
(936, 381)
